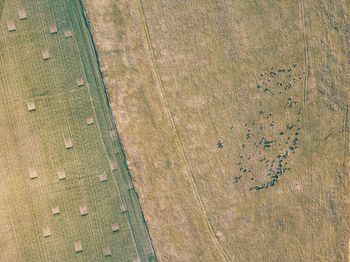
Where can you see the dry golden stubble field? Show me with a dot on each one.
(234, 117)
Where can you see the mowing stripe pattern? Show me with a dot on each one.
(64, 185)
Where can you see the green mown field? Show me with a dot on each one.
(42, 103)
(1, 6)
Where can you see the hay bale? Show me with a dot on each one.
(53, 29)
(11, 26)
(83, 210)
(130, 185)
(112, 164)
(22, 13)
(107, 251)
(90, 121)
(32, 173)
(55, 210)
(45, 54)
(68, 33)
(68, 142)
(123, 208)
(31, 105)
(113, 134)
(61, 174)
(80, 82)
(46, 231)
(78, 247)
(103, 177)
(115, 227)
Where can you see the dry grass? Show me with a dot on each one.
(183, 77)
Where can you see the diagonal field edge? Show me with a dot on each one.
(139, 227)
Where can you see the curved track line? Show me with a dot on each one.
(345, 127)
(306, 52)
(178, 141)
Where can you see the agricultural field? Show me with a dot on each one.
(65, 190)
(234, 117)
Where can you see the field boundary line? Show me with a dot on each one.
(92, 105)
(144, 243)
(160, 86)
(94, 110)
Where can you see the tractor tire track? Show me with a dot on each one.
(345, 134)
(306, 52)
(164, 101)
(345, 128)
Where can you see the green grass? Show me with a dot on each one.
(36, 140)
(1, 6)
